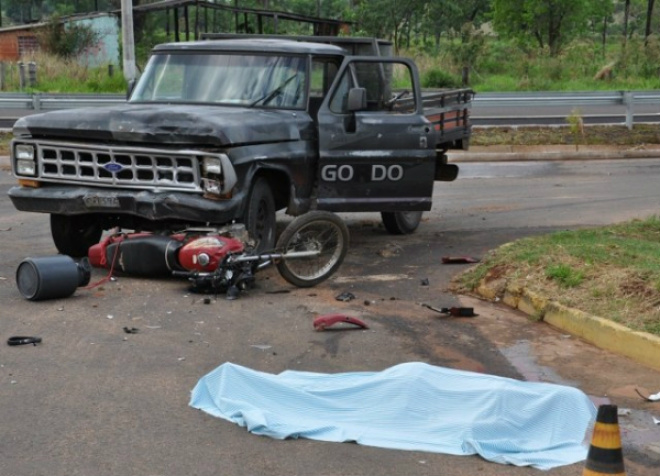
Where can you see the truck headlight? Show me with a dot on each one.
(218, 174)
(211, 166)
(24, 157)
(26, 167)
(211, 186)
(24, 151)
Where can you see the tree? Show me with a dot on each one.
(66, 41)
(551, 23)
(649, 17)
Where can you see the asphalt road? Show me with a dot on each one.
(93, 400)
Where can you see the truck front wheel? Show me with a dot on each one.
(401, 223)
(259, 218)
(73, 235)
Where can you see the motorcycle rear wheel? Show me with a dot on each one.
(319, 231)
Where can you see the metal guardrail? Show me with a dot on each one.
(51, 101)
(588, 98)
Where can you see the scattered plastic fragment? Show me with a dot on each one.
(453, 311)
(23, 340)
(345, 297)
(459, 259)
(323, 322)
(623, 412)
(651, 398)
(131, 330)
(656, 421)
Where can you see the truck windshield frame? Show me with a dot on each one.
(227, 79)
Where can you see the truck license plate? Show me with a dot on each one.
(95, 201)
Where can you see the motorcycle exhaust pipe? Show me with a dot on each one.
(51, 277)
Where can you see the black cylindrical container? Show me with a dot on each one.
(51, 277)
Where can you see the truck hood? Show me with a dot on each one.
(167, 124)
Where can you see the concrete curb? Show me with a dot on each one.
(639, 346)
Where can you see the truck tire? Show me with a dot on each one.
(401, 223)
(73, 235)
(259, 217)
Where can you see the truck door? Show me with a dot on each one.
(376, 148)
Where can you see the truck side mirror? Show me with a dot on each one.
(357, 99)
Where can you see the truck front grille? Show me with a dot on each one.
(119, 166)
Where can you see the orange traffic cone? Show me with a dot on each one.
(605, 456)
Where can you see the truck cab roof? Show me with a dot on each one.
(265, 45)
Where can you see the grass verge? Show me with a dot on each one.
(612, 272)
(566, 135)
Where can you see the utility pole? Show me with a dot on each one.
(128, 42)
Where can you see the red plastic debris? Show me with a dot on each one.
(323, 322)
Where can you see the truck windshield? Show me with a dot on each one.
(229, 79)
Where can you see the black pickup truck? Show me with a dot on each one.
(233, 129)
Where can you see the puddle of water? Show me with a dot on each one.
(521, 357)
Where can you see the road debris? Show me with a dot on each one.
(453, 311)
(651, 398)
(345, 297)
(459, 260)
(23, 340)
(321, 323)
(51, 277)
(131, 330)
(390, 250)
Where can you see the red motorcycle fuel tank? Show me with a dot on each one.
(207, 252)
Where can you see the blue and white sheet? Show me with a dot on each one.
(411, 406)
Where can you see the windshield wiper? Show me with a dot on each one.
(268, 97)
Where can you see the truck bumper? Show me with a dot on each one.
(153, 206)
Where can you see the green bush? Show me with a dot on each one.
(438, 78)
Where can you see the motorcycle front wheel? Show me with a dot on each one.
(313, 246)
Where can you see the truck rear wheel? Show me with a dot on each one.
(73, 235)
(401, 223)
(259, 218)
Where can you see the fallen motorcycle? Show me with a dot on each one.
(309, 250)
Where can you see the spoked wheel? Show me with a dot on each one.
(314, 246)
(401, 223)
